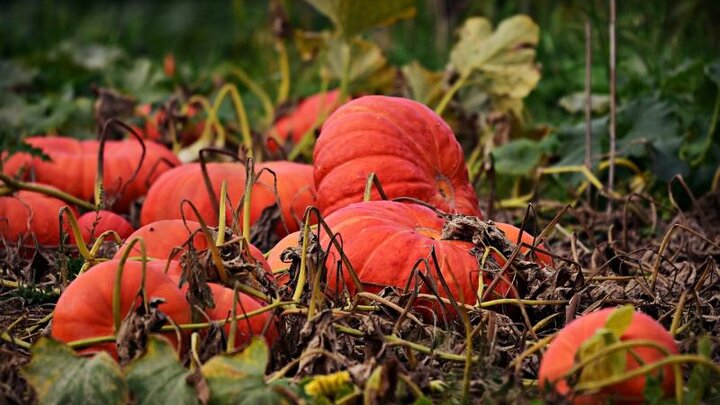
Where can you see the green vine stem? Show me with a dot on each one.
(222, 217)
(450, 93)
(308, 140)
(233, 321)
(247, 197)
(302, 273)
(75, 229)
(232, 91)
(46, 190)
(284, 65)
(117, 286)
(258, 91)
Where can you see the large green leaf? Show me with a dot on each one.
(158, 378)
(369, 68)
(503, 60)
(517, 158)
(352, 17)
(239, 378)
(59, 376)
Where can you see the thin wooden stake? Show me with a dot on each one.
(613, 107)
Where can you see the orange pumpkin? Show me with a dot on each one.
(309, 113)
(93, 224)
(411, 149)
(28, 214)
(247, 328)
(85, 311)
(561, 356)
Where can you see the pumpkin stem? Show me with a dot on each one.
(77, 234)
(247, 197)
(98, 189)
(373, 179)
(221, 216)
(222, 273)
(206, 176)
(117, 286)
(259, 92)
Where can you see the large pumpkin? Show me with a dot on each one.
(384, 239)
(247, 328)
(310, 112)
(84, 309)
(411, 149)
(561, 356)
(294, 182)
(74, 165)
(162, 238)
(28, 213)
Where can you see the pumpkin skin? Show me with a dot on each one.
(162, 237)
(411, 149)
(273, 256)
(84, 310)
(293, 126)
(560, 357)
(512, 233)
(384, 239)
(74, 165)
(294, 181)
(223, 298)
(93, 224)
(28, 213)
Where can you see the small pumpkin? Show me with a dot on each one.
(84, 310)
(162, 238)
(73, 167)
(156, 125)
(411, 149)
(309, 113)
(28, 214)
(247, 328)
(93, 224)
(562, 352)
(384, 239)
(294, 186)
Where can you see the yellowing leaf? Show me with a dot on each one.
(351, 17)
(620, 319)
(369, 69)
(59, 376)
(501, 63)
(425, 85)
(606, 366)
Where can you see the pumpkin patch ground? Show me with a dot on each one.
(360, 202)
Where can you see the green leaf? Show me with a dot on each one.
(158, 378)
(712, 70)
(606, 366)
(352, 17)
(369, 68)
(239, 378)
(700, 377)
(59, 376)
(425, 85)
(13, 74)
(504, 60)
(517, 158)
(654, 392)
(619, 320)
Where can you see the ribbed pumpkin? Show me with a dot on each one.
(162, 237)
(28, 213)
(247, 328)
(93, 224)
(74, 165)
(308, 113)
(84, 309)
(384, 239)
(561, 356)
(411, 149)
(294, 182)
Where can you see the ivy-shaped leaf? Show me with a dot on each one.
(60, 376)
(425, 85)
(504, 60)
(352, 17)
(240, 378)
(158, 378)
